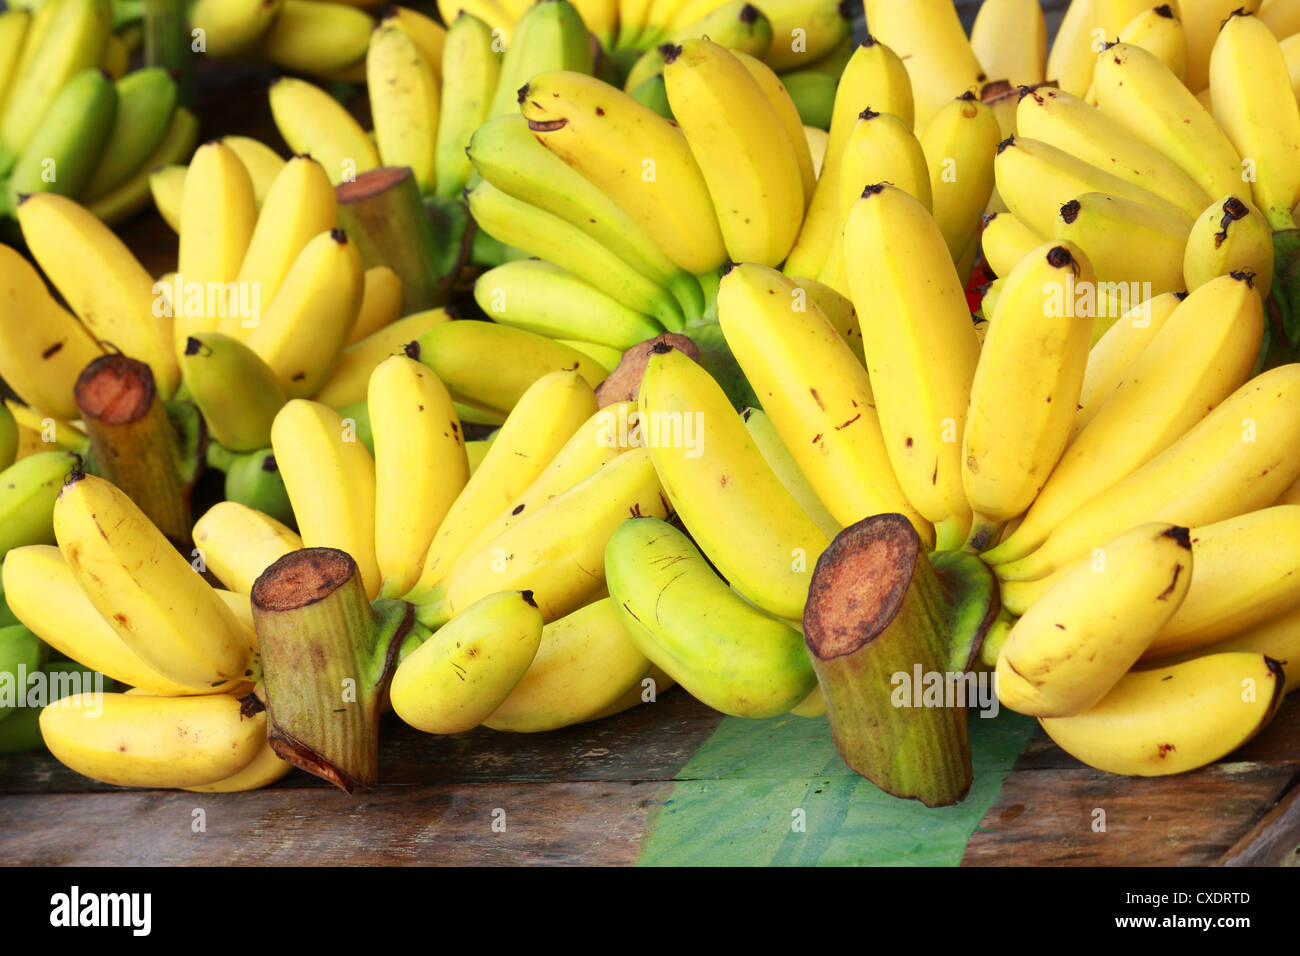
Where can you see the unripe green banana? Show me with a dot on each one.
(470, 70)
(21, 653)
(145, 100)
(235, 390)
(813, 93)
(133, 193)
(31, 486)
(22, 732)
(652, 92)
(550, 36)
(686, 619)
(253, 479)
(8, 437)
(62, 153)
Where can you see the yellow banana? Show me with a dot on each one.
(349, 376)
(262, 771)
(786, 469)
(1278, 638)
(1158, 31)
(232, 28)
(1087, 27)
(1230, 236)
(317, 38)
(1009, 38)
(313, 123)
(262, 162)
(14, 26)
(381, 303)
(786, 111)
(1005, 241)
(1128, 243)
(1202, 20)
(404, 103)
(239, 543)
(470, 70)
(960, 143)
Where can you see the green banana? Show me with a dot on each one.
(253, 479)
(685, 619)
(61, 155)
(21, 653)
(652, 92)
(27, 507)
(145, 100)
(738, 25)
(470, 70)
(813, 93)
(8, 437)
(133, 193)
(550, 36)
(22, 732)
(239, 415)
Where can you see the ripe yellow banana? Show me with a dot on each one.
(330, 478)
(299, 205)
(149, 741)
(262, 771)
(14, 26)
(239, 543)
(314, 38)
(1137, 246)
(349, 376)
(1204, 351)
(101, 280)
(1176, 718)
(470, 69)
(786, 111)
(786, 469)
(420, 466)
(233, 28)
(1159, 31)
(640, 159)
(262, 162)
(313, 123)
(43, 347)
(545, 418)
(304, 328)
(1009, 38)
(1278, 638)
(1088, 25)
(753, 531)
(1230, 236)
(1202, 20)
(381, 303)
(960, 143)
(1026, 386)
(157, 603)
(815, 390)
(921, 349)
(404, 103)
(1005, 241)
(1235, 460)
(1084, 633)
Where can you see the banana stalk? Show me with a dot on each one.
(878, 609)
(134, 442)
(327, 658)
(167, 44)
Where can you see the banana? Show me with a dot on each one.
(539, 297)
(253, 479)
(778, 458)
(509, 157)
(43, 347)
(585, 662)
(62, 153)
(232, 28)
(161, 608)
(1026, 386)
(1079, 639)
(1202, 20)
(816, 392)
(921, 349)
(838, 310)
(22, 654)
(490, 12)
(960, 143)
(1005, 241)
(545, 418)
(813, 94)
(929, 38)
(1083, 33)
(132, 194)
(312, 315)
(101, 280)
(349, 376)
(239, 543)
(218, 217)
(747, 161)
(381, 303)
(1035, 180)
(1128, 243)
(1235, 460)
(470, 71)
(262, 771)
(262, 162)
(404, 103)
(601, 18)
(313, 123)
(804, 32)
(1116, 351)
(718, 483)
(1158, 31)
(330, 478)
(641, 160)
(1278, 638)
(315, 38)
(548, 37)
(737, 25)
(71, 40)
(147, 741)
(167, 187)
(632, 23)
(43, 593)
(456, 679)
(145, 100)
(875, 77)
(1176, 718)
(14, 26)
(557, 552)
(420, 466)
(1203, 352)
(31, 486)
(465, 356)
(1009, 38)
(298, 206)
(1250, 88)
(51, 434)
(429, 35)
(1242, 577)
(520, 224)
(1282, 17)
(1144, 97)
(685, 619)
(237, 418)
(1231, 236)
(1069, 124)
(786, 111)
(8, 437)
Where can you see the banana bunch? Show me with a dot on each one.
(73, 122)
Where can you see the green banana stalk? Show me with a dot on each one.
(235, 390)
(145, 101)
(61, 155)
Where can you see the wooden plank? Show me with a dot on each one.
(1275, 839)
(557, 823)
(649, 742)
(1047, 817)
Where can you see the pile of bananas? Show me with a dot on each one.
(734, 424)
(73, 121)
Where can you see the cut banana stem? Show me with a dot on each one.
(876, 610)
(134, 442)
(326, 658)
